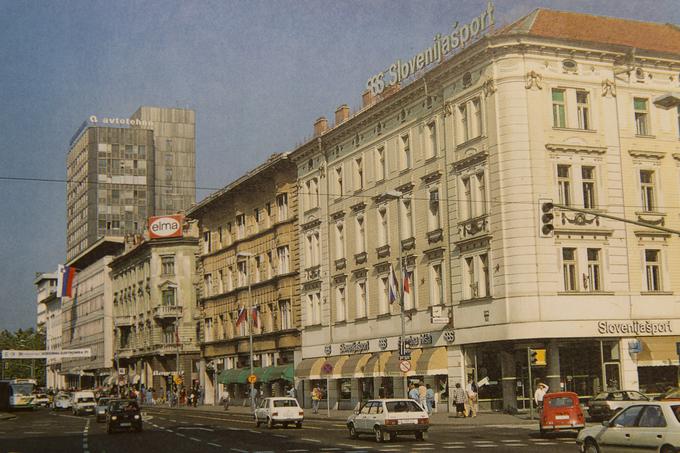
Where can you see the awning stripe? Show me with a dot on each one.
(354, 366)
(309, 368)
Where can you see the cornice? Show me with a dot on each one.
(646, 154)
(575, 148)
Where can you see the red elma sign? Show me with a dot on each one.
(168, 226)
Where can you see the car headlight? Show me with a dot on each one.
(114, 418)
(136, 417)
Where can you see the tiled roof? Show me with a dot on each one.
(548, 23)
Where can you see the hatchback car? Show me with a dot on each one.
(606, 404)
(388, 418)
(123, 414)
(61, 401)
(279, 410)
(101, 408)
(670, 395)
(41, 399)
(561, 410)
(652, 426)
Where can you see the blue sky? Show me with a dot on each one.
(258, 73)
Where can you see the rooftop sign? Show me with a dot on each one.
(443, 45)
(105, 121)
(169, 226)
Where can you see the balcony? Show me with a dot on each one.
(123, 321)
(383, 251)
(167, 311)
(472, 228)
(313, 273)
(408, 243)
(360, 258)
(340, 263)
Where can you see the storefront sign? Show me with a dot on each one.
(634, 327)
(52, 354)
(120, 121)
(169, 226)
(354, 348)
(419, 340)
(443, 44)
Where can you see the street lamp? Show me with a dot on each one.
(399, 196)
(248, 255)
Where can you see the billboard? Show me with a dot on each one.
(167, 226)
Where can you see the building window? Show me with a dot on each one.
(361, 299)
(405, 147)
(257, 213)
(477, 124)
(382, 226)
(653, 270)
(360, 237)
(208, 329)
(383, 294)
(641, 116)
(282, 205)
(339, 192)
(284, 259)
(406, 218)
(466, 204)
(258, 269)
(564, 184)
(270, 264)
(431, 140)
(380, 163)
(168, 265)
(480, 195)
(242, 273)
(220, 281)
(313, 309)
(358, 173)
(340, 304)
(313, 253)
(583, 110)
(286, 314)
(168, 297)
(464, 122)
(436, 284)
(240, 226)
(594, 270)
(647, 190)
(312, 194)
(230, 279)
(339, 240)
(588, 184)
(559, 116)
(569, 269)
(433, 218)
(208, 284)
(484, 276)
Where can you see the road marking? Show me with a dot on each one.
(195, 439)
(515, 445)
(215, 445)
(197, 428)
(253, 431)
(174, 421)
(239, 451)
(181, 435)
(545, 443)
(510, 441)
(35, 432)
(311, 440)
(330, 449)
(451, 447)
(299, 450)
(281, 436)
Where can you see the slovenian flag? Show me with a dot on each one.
(256, 317)
(393, 286)
(65, 276)
(242, 316)
(407, 281)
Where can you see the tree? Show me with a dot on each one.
(23, 368)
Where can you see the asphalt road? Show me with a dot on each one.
(176, 431)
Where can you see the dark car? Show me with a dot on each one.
(123, 415)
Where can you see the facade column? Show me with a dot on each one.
(333, 394)
(552, 376)
(629, 372)
(398, 386)
(356, 393)
(509, 378)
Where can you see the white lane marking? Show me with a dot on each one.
(311, 440)
(174, 421)
(545, 443)
(299, 450)
(239, 451)
(451, 447)
(510, 441)
(195, 439)
(253, 431)
(193, 428)
(215, 445)
(330, 449)
(35, 432)
(515, 445)
(181, 435)
(281, 436)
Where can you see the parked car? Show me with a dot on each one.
(41, 399)
(123, 414)
(652, 426)
(83, 402)
(61, 401)
(670, 395)
(606, 404)
(279, 410)
(101, 408)
(387, 418)
(561, 410)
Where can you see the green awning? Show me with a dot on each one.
(274, 373)
(234, 376)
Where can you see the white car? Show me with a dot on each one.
(83, 403)
(279, 410)
(387, 418)
(650, 427)
(41, 399)
(61, 401)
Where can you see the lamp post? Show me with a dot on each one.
(396, 195)
(247, 256)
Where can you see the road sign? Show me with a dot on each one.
(252, 378)
(327, 368)
(405, 366)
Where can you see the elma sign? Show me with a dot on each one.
(168, 226)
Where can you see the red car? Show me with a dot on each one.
(561, 410)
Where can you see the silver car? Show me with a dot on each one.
(644, 427)
(388, 418)
(606, 404)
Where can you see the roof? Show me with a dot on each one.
(549, 23)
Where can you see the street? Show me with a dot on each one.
(181, 430)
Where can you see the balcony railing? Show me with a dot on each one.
(167, 311)
(123, 321)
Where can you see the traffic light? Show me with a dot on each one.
(533, 356)
(537, 357)
(547, 217)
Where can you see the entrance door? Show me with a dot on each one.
(612, 376)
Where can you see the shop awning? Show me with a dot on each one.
(376, 364)
(273, 373)
(392, 365)
(353, 367)
(336, 363)
(658, 351)
(432, 361)
(309, 368)
(234, 376)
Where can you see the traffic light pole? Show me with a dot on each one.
(531, 386)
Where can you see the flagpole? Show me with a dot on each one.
(249, 255)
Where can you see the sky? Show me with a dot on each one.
(257, 73)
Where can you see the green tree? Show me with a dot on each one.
(23, 368)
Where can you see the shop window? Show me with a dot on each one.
(344, 389)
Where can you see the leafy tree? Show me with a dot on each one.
(23, 368)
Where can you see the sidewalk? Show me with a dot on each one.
(437, 418)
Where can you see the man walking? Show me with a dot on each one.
(413, 392)
(429, 398)
(422, 395)
(540, 392)
(459, 399)
(316, 398)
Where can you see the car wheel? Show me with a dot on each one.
(270, 423)
(668, 449)
(257, 422)
(379, 436)
(353, 431)
(419, 435)
(591, 447)
(298, 425)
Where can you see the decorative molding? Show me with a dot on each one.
(435, 253)
(574, 148)
(608, 88)
(431, 177)
(383, 251)
(311, 286)
(473, 227)
(408, 243)
(676, 156)
(489, 87)
(358, 207)
(658, 221)
(580, 219)
(448, 108)
(339, 279)
(360, 258)
(533, 79)
(382, 267)
(314, 223)
(313, 272)
(435, 235)
(470, 160)
(338, 215)
(406, 188)
(340, 263)
(360, 273)
(646, 154)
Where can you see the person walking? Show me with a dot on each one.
(226, 399)
(473, 398)
(422, 395)
(413, 392)
(429, 399)
(540, 392)
(459, 399)
(316, 398)
(291, 392)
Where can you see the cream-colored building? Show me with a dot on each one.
(155, 310)
(248, 262)
(584, 115)
(49, 323)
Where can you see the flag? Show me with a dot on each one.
(256, 317)
(407, 281)
(65, 276)
(393, 286)
(242, 316)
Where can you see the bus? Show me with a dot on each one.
(17, 394)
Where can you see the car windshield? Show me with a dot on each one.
(563, 401)
(403, 406)
(285, 403)
(119, 405)
(601, 396)
(103, 401)
(86, 399)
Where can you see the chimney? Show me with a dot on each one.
(320, 126)
(366, 98)
(341, 114)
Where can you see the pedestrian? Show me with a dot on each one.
(413, 392)
(292, 393)
(422, 395)
(316, 398)
(429, 399)
(226, 399)
(473, 398)
(459, 399)
(540, 392)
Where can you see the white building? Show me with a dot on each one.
(49, 323)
